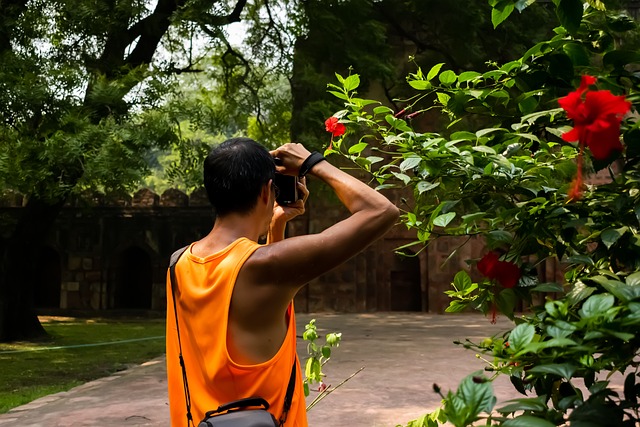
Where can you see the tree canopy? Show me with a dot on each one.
(83, 87)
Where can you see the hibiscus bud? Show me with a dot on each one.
(400, 113)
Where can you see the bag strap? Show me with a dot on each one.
(288, 398)
(172, 274)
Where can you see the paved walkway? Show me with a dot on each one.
(403, 355)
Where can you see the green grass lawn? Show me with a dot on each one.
(28, 375)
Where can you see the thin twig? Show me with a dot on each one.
(328, 391)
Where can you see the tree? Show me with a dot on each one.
(80, 83)
(376, 38)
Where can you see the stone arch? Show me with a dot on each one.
(48, 278)
(406, 291)
(132, 281)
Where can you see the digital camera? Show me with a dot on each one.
(288, 189)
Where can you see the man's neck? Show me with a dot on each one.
(227, 230)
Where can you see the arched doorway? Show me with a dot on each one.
(406, 294)
(48, 278)
(133, 280)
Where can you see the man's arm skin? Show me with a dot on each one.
(283, 214)
(270, 278)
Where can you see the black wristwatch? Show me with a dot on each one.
(313, 159)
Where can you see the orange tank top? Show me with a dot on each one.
(204, 289)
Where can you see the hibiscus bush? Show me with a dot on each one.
(513, 167)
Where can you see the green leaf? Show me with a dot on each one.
(476, 392)
(523, 4)
(443, 98)
(410, 163)
(339, 95)
(521, 335)
(530, 404)
(527, 421)
(456, 306)
(579, 292)
(462, 280)
(578, 53)
(308, 367)
(374, 159)
(506, 302)
(620, 290)
(618, 59)
(352, 82)
(420, 84)
(580, 259)
(434, 71)
(596, 304)
(448, 77)
(570, 14)
(500, 236)
(483, 149)
(611, 235)
(382, 109)
(468, 75)
(444, 220)
(473, 217)
(528, 105)
(483, 132)
(463, 136)
(357, 148)
(564, 370)
(402, 177)
(326, 351)
(424, 186)
(548, 287)
(557, 342)
(501, 11)
(633, 279)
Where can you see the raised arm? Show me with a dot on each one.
(293, 262)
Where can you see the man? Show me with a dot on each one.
(235, 296)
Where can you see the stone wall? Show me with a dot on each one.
(114, 255)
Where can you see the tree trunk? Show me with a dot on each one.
(18, 319)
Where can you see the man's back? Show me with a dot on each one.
(204, 290)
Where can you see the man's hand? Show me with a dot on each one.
(291, 156)
(284, 214)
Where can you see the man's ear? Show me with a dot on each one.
(265, 194)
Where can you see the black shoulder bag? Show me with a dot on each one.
(236, 413)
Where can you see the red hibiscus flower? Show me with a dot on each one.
(505, 273)
(596, 116)
(336, 128)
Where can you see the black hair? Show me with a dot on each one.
(234, 174)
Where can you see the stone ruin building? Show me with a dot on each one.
(112, 254)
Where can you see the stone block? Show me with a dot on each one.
(145, 198)
(87, 263)
(93, 276)
(174, 197)
(71, 286)
(74, 263)
(199, 198)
